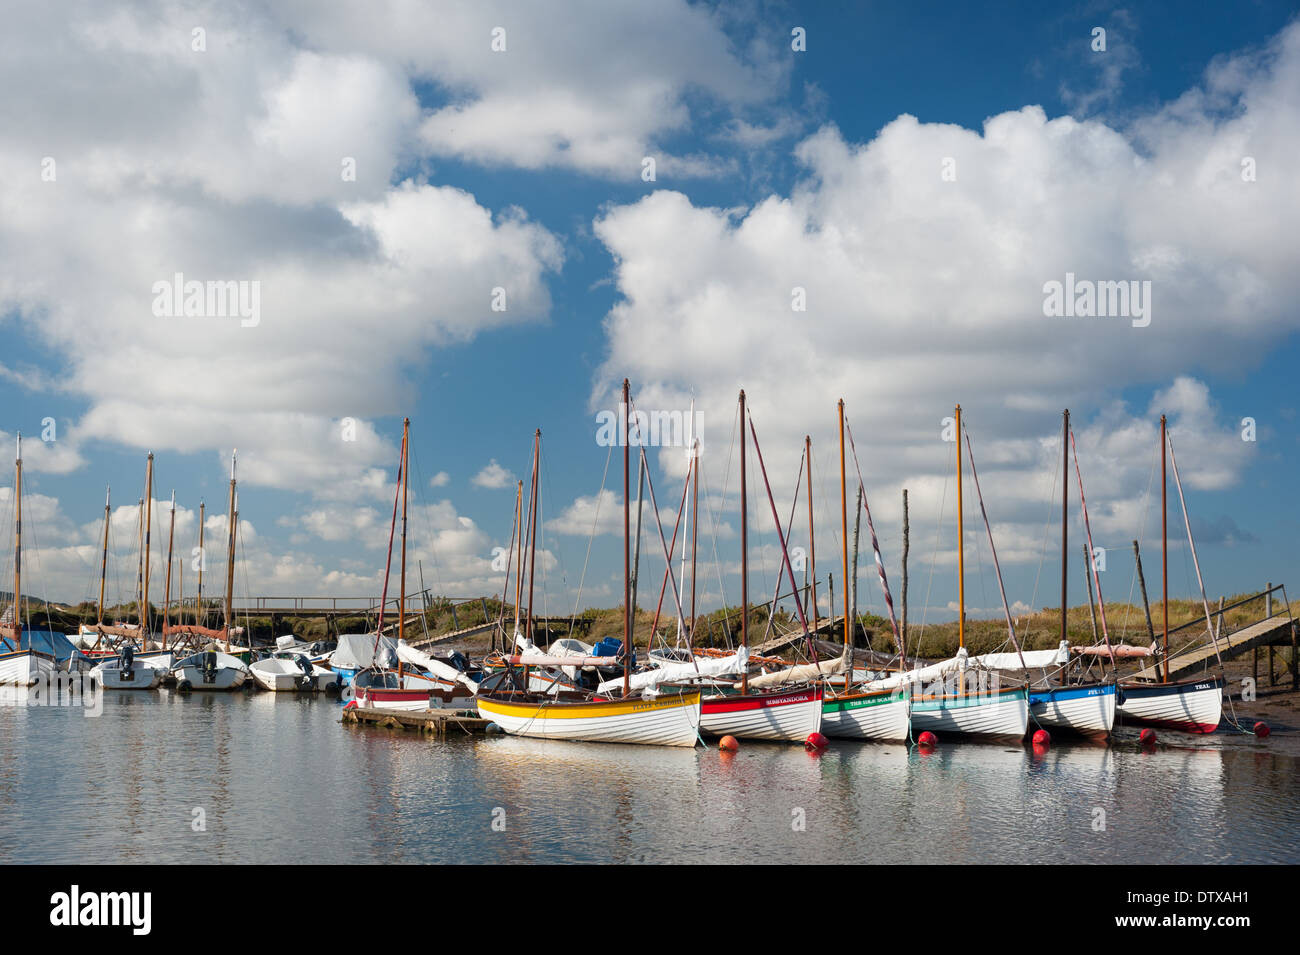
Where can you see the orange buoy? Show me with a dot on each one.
(1042, 738)
(1147, 737)
(1262, 729)
(927, 739)
(728, 744)
(815, 742)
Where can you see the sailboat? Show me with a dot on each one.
(749, 710)
(1193, 706)
(851, 713)
(213, 667)
(387, 683)
(667, 719)
(21, 664)
(1080, 708)
(1085, 708)
(992, 711)
(127, 663)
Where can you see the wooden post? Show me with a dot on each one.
(857, 528)
(1087, 573)
(903, 631)
(1142, 583)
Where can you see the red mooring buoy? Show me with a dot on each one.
(815, 742)
(1147, 737)
(927, 739)
(1261, 729)
(1042, 738)
(728, 744)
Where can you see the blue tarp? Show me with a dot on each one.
(45, 641)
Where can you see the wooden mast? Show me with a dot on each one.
(203, 558)
(103, 561)
(167, 590)
(401, 593)
(844, 541)
(1164, 548)
(961, 550)
(627, 556)
(146, 622)
(519, 562)
(1065, 527)
(139, 561)
(695, 526)
(744, 551)
(230, 551)
(532, 530)
(18, 543)
(812, 544)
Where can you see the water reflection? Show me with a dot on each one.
(279, 779)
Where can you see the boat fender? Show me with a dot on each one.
(1119, 696)
(183, 686)
(493, 729)
(333, 688)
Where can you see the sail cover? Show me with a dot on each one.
(801, 673)
(1032, 659)
(681, 672)
(408, 654)
(356, 651)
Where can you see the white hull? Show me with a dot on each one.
(291, 681)
(381, 698)
(1092, 715)
(144, 676)
(666, 721)
(227, 678)
(24, 668)
(847, 718)
(986, 715)
(1192, 707)
(787, 721)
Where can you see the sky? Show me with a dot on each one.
(484, 216)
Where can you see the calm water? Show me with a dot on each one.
(281, 780)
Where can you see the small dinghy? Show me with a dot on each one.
(127, 672)
(210, 670)
(286, 671)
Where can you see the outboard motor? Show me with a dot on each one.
(307, 680)
(210, 667)
(125, 663)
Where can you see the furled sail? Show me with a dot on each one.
(801, 673)
(699, 668)
(443, 671)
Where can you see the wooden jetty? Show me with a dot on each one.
(780, 641)
(440, 723)
(464, 633)
(1272, 631)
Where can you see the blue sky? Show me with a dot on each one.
(775, 168)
